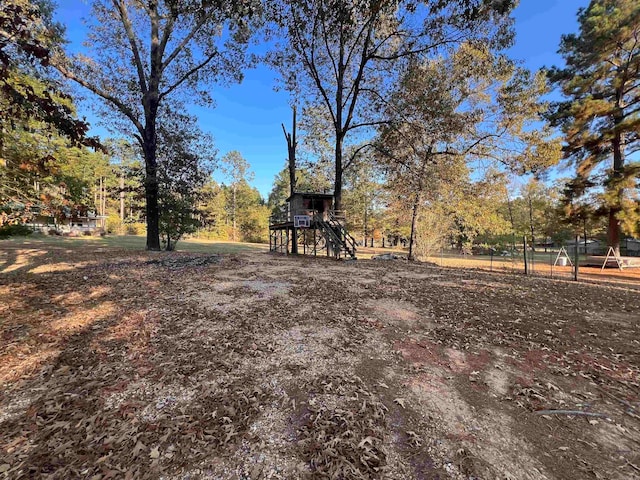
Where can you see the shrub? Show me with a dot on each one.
(114, 225)
(135, 228)
(431, 234)
(16, 230)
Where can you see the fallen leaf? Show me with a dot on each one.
(399, 401)
(138, 448)
(367, 440)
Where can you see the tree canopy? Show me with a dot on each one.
(600, 118)
(140, 55)
(341, 56)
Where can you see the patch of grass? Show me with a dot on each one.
(132, 242)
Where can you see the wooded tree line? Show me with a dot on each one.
(407, 107)
(494, 212)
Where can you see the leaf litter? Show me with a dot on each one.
(177, 366)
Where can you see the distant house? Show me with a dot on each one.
(42, 223)
(70, 223)
(630, 247)
(590, 247)
(545, 243)
(90, 222)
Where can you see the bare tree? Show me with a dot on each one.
(141, 53)
(343, 54)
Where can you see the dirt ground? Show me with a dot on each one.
(121, 364)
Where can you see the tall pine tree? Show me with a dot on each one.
(601, 116)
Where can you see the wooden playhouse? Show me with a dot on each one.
(308, 224)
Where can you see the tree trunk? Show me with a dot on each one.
(122, 195)
(291, 149)
(526, 264)
(414, 219)
(531, 227)
(104, 197)
(233, 212)
(151, 192)
(151, 102)
(337, 187)
(513, 225)
(613, 231)
(365, 229)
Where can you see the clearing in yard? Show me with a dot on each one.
(116, 363)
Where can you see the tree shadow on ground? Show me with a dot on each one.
(81, 362)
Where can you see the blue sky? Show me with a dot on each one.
(247, 116)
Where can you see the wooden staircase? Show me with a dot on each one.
(338, 241)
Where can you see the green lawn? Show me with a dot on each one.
(132, 242)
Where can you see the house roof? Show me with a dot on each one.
(581, 242)
(318, 195)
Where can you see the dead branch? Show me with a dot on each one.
(570, 412)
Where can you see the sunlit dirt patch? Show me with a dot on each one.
(400, 313)
(80, 298)
(81, 319)
(23, 258)
(23, 361)
(462, 362)
(225, 296)
(57, 267)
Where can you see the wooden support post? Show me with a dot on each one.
(286, 241)
(294, 243)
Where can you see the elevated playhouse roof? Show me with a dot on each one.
(317, 195)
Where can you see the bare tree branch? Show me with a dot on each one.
(188, 74)
(126, 23)
(124, 109)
